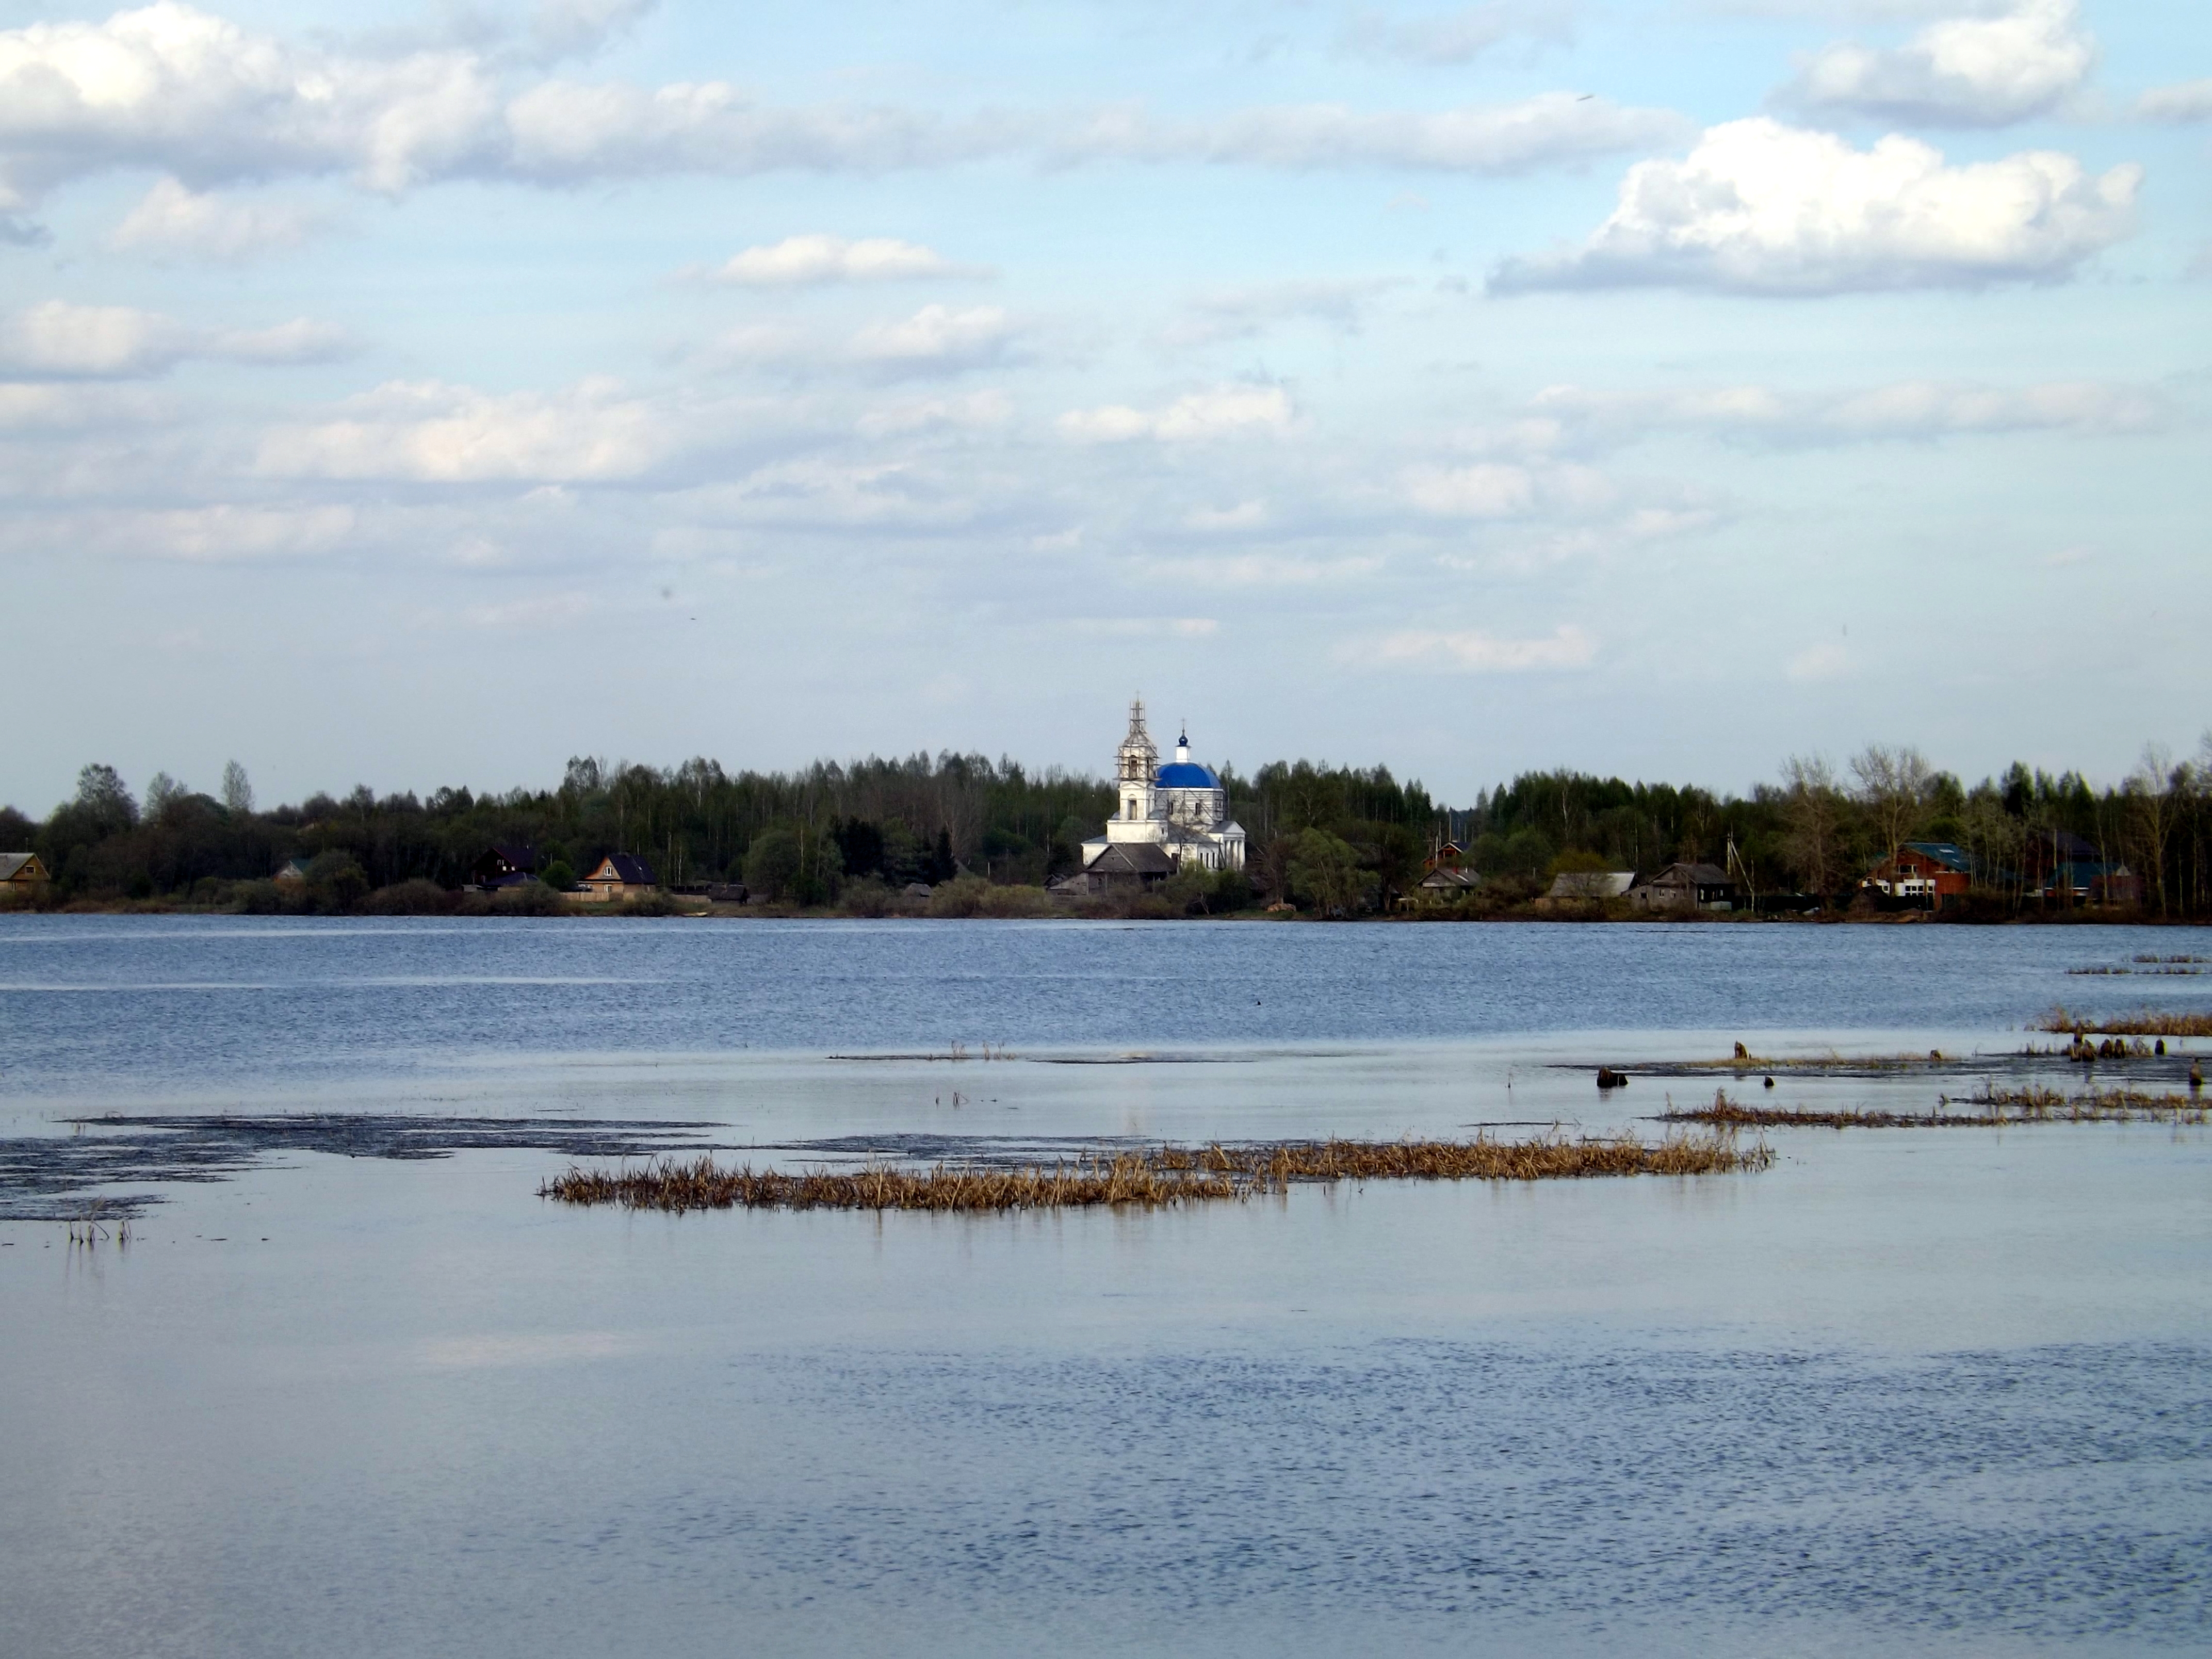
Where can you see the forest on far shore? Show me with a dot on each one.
(1343, 840)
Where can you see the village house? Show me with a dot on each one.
(617, 876)
(1688, 887)
(1444, 883)
(1929, 874)
(2060, 867)
(504, 864)
(293, 874)
(22, 872)
(1446, 854)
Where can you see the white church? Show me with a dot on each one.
(1169, 817)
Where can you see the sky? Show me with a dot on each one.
(1653, 387)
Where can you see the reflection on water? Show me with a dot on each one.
(1904, 1393)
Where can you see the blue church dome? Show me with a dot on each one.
(1186, 774)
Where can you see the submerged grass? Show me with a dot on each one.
(2144, 1022)
(1149, 1179)
(1994, 1109)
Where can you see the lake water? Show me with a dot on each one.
(1907, 1392)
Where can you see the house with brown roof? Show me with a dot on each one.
(618, 876)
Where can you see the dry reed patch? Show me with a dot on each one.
(1995, 1109)
(1151, 1179)
(2144, 1022)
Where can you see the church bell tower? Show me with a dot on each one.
(1136, 766)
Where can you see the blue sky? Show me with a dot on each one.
(1654, 387)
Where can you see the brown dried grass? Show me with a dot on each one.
(2145, 1022)
(1995, 1109)
(1151, 1179)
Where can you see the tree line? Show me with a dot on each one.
(1332, 838)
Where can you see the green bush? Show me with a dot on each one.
(410, 898)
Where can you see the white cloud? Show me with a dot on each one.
(811, 261)
(830, 493)
(1245, 515)
(1181, 628)
(2191, 101)
(1760, 208)
(1194, 416)
(537, 612)
(776, 341)
(48, 407)
(1472, 652)
(1553, 129)
(1244, 313)
(565, 131)
(1963, 71)
(430, 432)
(229, 532)
(209, 102)
(1904, 410)
(988, 408)
(1820, 662)
(1453, 38)
(1263, 571)
(173, 220)
(935, 339)
(62, 340)
(564, 28)
(300, 341)
(1483, 491)
(198, 96)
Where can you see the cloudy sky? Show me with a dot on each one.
(1653, 387)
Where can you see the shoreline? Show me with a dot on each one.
(676, 906)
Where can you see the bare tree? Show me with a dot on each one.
(1812, 822)
(1995, 838)
(2154, 794)
(237, 792)
(1893, 785)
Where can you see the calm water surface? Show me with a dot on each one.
(1901, 1393)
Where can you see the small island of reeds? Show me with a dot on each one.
(1992, 1108)
(1147, 1179)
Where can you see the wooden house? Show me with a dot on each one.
(1684, 886)
(293, 874)
(22, 872)
(1445, 883)
(1122, 865)
(618, 876)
